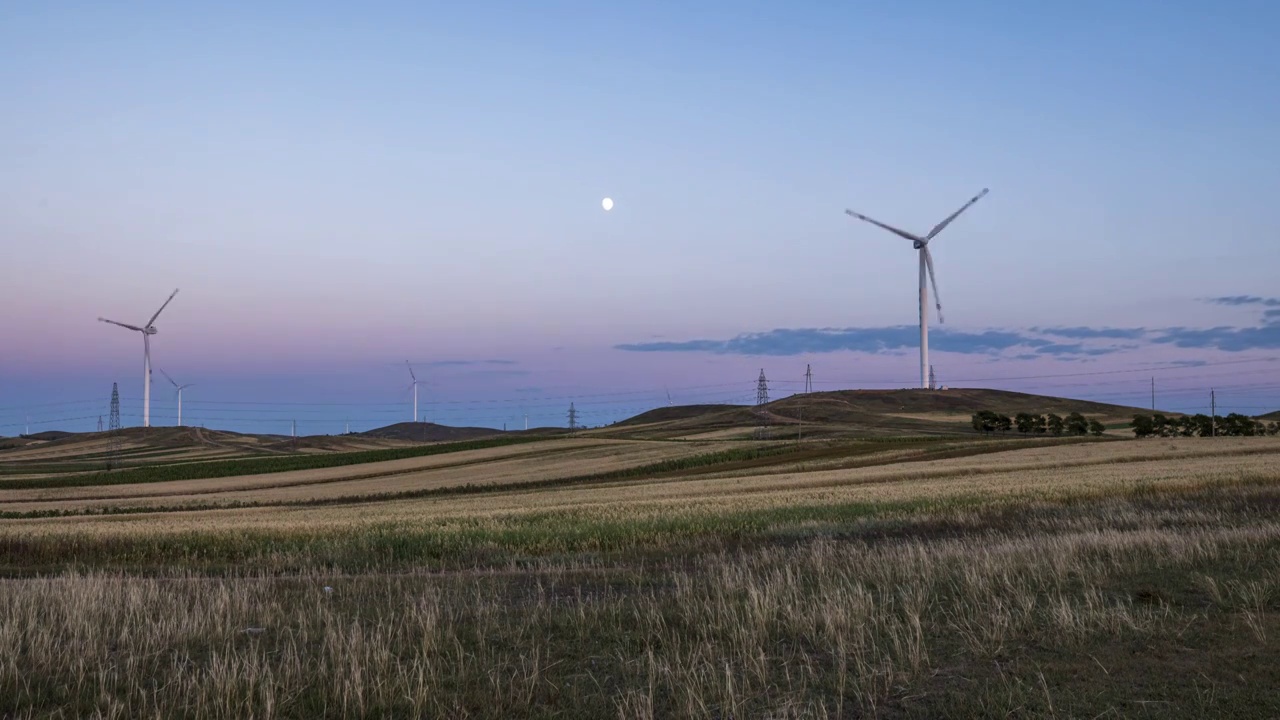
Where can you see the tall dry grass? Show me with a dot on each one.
(819, 628)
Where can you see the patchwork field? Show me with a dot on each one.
(602, 576)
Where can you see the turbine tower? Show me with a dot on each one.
(921, 243)
(414, 385)
(147, 331)
(179, 387)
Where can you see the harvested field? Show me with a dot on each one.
(912, 577)
(529, 463)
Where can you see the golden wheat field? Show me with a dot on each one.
(593, 577)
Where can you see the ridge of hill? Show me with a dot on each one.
(1270, 416)
(860, 413)
(674, 412)
(135, 445)
(428, 432)
(955, 400)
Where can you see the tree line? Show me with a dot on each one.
(987, 421)
(1200, 425)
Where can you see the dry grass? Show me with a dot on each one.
(491, 466)
(1136, 578)
(820, 629)
(1027, 474)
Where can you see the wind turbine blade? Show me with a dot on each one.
(162, 307)
(890, 228)
(166, 377)
(415, 377)
(937, 299)
(938, 228)
(113, 322)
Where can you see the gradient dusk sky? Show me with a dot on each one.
(339, 187)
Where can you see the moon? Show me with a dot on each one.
(607, 204)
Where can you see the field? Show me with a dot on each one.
(634, 572)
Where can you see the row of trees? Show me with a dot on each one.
(1235, 424)
(987, 421)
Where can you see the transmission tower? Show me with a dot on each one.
(808, 379)
(99, 423)
(573, 417)
(762, 397)
(933, 379)
(113, 427)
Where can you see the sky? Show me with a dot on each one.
(339, 188)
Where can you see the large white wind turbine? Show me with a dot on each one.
(147, 331)
(414, 385)
(921, 243)
(180, 388)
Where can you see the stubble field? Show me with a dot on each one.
(918, 577)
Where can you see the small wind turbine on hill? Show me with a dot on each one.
(179, 391)
(413, 385)
(147, 331)
(921, 243)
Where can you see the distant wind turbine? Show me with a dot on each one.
(921, 243)
(179, 389)
(414, 385)
(147, 331)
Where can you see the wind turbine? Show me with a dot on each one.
(921, 243)
(179, 387)
(414, 385)
(147, 331)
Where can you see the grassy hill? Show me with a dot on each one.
(49, 435)
(845, 413)
(429, 432)
(675, 412)
(859, 413)
(1270, 416)
(133, 446)
(858, 405)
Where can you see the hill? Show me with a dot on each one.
(428, 432)
(674, 412)
(48, 435)
(136, 445)
(857, 413)
(854, 404)
(1270, 416)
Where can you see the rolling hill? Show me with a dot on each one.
(674, 412)
(858, 413)
(844, 413)
(428, 432)
(137, 445)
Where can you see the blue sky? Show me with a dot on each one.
(337, 188)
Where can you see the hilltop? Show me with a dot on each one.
(674, 412)
(428, 432)
(858, 413)
(136, 445)
(1270, 416)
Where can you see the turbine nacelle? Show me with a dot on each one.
(150, 330)
(918, 244)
